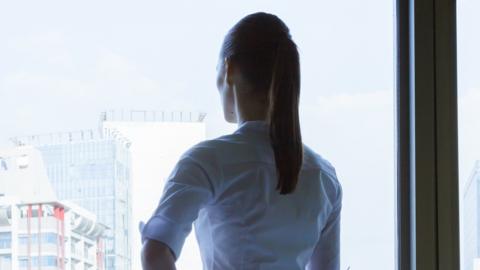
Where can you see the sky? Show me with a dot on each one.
(61, 64)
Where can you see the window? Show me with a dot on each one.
(5, 240)
(3, 164)
(45, 261)
(469, 131)
(22, 162)
(5, 261)
(45, 238)
(161, 58)
(23, 240)
(23, 262)
(48, 261)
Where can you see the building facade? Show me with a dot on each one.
(37, 231)
(157, 139)
(118, 173)
(471, 221)
(93, 171)
(49, 236)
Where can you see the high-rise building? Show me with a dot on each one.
(471, 222)
(37, 231)
(93, 171)
(157, 141)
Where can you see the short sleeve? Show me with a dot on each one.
(186, 191)
(326, 255)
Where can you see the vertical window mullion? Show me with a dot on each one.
(402, 146)
(447, 135)
(427, 151)
(423, 136)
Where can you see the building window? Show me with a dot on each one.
(5, 262)
(5, 240)
(46, 238)
(22, 162)
(47, 261)
(22, 262)
(3, 164)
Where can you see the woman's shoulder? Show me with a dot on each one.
(208, 150)
(213, 144)
(313, 160)
(328, 177)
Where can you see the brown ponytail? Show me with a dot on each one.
(261, 47)
(285, 135)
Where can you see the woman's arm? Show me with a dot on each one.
(157, 256)
(326, 255)
(187, 191)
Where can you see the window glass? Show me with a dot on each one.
(150, 66)
(5, 261)
(5, 240)
(469, 131)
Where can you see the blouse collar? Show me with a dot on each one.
(256, 126)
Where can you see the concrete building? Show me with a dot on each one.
(37, 231)
(157, 141)
(93, 171)
(471, 222)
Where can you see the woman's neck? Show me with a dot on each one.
(249, 107)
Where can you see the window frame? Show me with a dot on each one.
(426, 135)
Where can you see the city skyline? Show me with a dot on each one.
(154, 139)
(37, 230)
(107, 128)
(92, 170)
(60, 69)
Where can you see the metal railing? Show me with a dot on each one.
(152, 116)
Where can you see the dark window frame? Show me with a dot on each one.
(427, 135)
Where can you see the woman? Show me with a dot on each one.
(259, 198)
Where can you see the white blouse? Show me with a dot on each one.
(226, 187)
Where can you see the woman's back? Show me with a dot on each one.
(243, 222)
(260, 199)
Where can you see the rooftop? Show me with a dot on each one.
(23, 175)
(56, 137)
(109, 116)
(152, 116)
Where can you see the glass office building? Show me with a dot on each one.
(93, 171)
(471, 222)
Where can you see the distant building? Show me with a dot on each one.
(36, 230)
(93, 171)
(471, 224)
(476, 264)
(49, 235)
(157, 141)
(120, 169)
